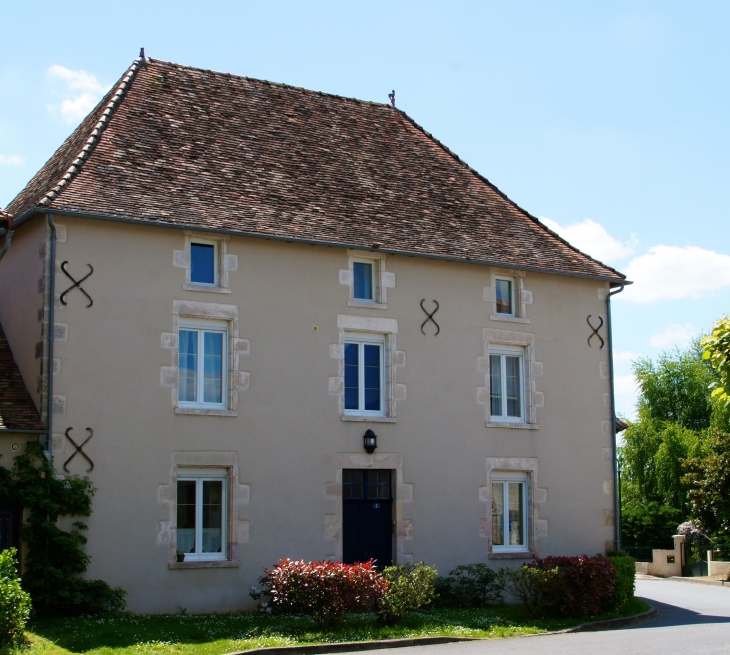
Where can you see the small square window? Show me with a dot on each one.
(203, 269)
(363, 287)
(505, 296)
(202, 365)
(364, 379)
(506, 386)
(201, 514)
(509, 514)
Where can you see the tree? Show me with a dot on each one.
(717, 352)
(708, 479)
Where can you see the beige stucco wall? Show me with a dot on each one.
(288, 432)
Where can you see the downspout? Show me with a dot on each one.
(8, 232)
(51, 326)
(616, 504)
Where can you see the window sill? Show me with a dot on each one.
(513, 426)
(366, 304)
(509, 319)
(205, 412)
(189, 286)
(371, 419)
(512, 554)
(205, 564)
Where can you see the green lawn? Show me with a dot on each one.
(215, 634)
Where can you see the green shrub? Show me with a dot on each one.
(14, 602)
(409, 587)
(623, 590)
(469, 585)
(537, 589)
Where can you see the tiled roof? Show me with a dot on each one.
(198, 149)
(17, 411)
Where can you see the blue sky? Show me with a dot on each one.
(609, 120)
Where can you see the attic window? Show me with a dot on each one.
(203, 263)
(505, 297)
(363, 286)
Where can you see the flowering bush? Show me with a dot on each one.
(322, 590)
(586, 583)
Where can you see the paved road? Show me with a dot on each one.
(693, 619)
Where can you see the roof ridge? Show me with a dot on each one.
(75, 166)
(279, 84)
(502, 193)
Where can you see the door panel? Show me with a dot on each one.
(367, 517)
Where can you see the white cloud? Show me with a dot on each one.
(625, 384)
(625, 356)
(83, 92)
(674, 335)
(673, 273)
(12, 160)
(593, 239)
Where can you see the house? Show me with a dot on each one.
(292, 324)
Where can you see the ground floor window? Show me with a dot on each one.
(509, 512)
(201, 513)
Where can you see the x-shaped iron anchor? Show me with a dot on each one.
(76, 283)
(595, 330)
(79, 450)
(429, 317)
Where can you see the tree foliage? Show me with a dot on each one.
(717, 352)
(55, 557)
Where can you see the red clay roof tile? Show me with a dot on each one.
(193, 148)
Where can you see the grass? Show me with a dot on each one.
(215, 634)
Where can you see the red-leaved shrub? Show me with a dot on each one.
(584, 585)
(322, 590)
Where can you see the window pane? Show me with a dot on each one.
(372, 377)
(514, 396)
(188, 366)
(504, 296)
(213, 367)
(212, 516)
(357, 480)
(202, 263)
(516, 514)
(363, 281)
(495, 384)
(498, 513)
(352, 386)
(186, 516)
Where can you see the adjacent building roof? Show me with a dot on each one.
(17, 411)
(179, 146)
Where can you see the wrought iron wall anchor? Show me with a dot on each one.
(595, 331)
(429, 317)
(76, 283)
(79, 450)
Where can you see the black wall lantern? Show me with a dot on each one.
(370, 441)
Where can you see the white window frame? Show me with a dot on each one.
(202, 326)
(506, 477)
(502, 352)
(200, 475)
(512, 303)
(216, 261)
(375, 273)
(361, 339)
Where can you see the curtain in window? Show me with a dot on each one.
(213, 367)
(188, 366)
(363, 281)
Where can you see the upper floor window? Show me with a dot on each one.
(504, 288)
(201, 513)
(363, 281)
(202, 364)
(506, 385)
(364, 379)
(203, 263)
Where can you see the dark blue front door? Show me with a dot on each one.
(367, 517)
